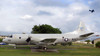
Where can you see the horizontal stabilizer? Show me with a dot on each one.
(86, 35)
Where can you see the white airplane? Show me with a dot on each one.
(47, 39)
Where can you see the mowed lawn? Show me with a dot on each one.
(74, 50)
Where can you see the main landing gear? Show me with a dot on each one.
(44, 48)
(41, 47)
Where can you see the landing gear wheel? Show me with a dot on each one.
(44, 48)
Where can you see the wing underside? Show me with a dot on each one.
(51, 40)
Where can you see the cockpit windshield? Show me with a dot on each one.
(10, 36)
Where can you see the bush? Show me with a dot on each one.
(68, 43)
(97, 44)
(87, 41)
(0, 40)
(63, 44)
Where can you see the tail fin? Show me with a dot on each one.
(81, 29)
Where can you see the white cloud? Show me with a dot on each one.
(26, 17)
(90, 2)
(66, 18)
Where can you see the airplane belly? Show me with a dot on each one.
(21, 43)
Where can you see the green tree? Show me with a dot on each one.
(98, 44)
(88, 41)
(44, 28)
(0, 40)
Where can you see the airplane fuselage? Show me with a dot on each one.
(36, 38)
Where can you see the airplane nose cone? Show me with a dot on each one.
(4, 40)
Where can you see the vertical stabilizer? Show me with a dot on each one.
(81, 28)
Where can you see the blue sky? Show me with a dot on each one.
(17, 16)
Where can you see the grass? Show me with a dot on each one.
(74, 50)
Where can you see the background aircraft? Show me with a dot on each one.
(92, 10)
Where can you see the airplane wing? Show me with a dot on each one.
(51, 40)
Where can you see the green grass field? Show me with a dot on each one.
(74, 50)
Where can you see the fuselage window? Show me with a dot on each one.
(19, 37)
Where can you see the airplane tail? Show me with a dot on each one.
(81, 28)
(83, 32)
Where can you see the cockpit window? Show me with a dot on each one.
(10, 36)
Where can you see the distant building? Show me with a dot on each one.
(3, 37)
(96, 40)
(80, 42)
